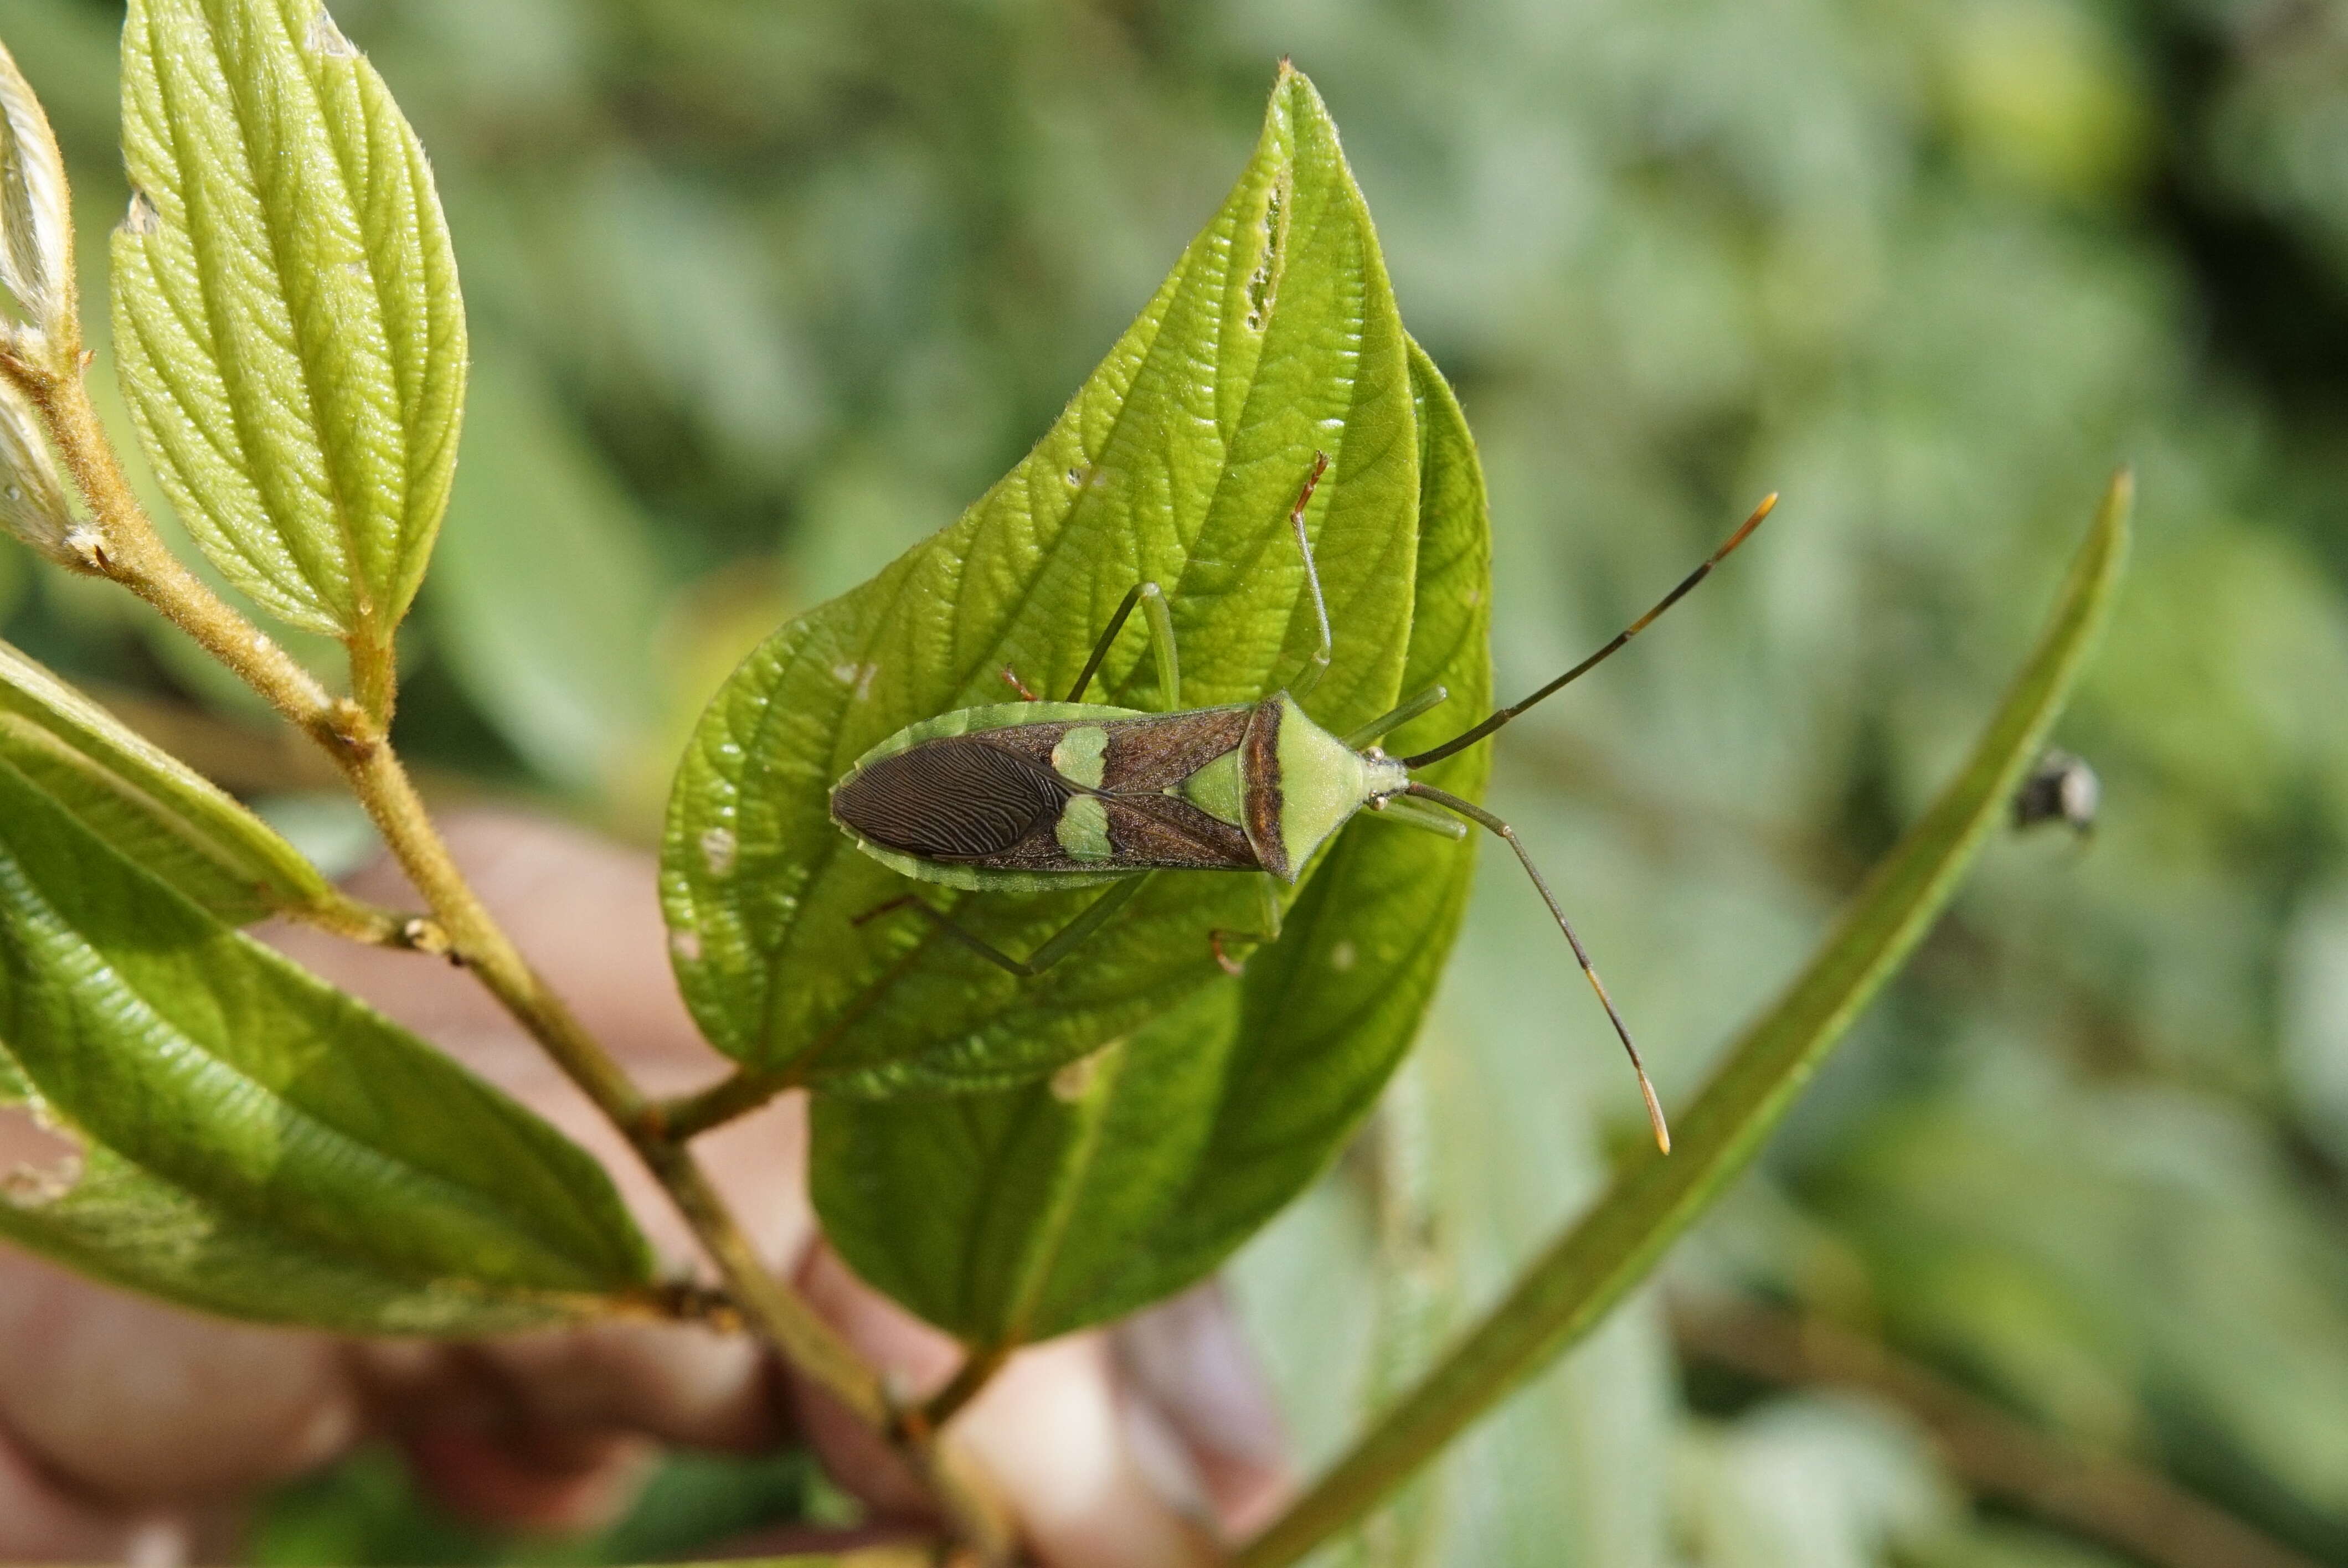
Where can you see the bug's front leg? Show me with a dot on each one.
(1059, 945)
(1268, 888)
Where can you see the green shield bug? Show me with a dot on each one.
(1029, 795)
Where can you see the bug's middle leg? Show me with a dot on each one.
(1267, 889)
(1058, 947)
(1152, 601)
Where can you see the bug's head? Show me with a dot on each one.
(1305, 784)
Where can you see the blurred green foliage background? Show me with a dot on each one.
(761, 293)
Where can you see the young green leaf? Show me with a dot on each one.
(1569, 1289)
(255, 1142)
(286, 307)
(146, 803)
(1019, 1213)
(1177, 461)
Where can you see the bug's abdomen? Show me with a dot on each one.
(955, 799)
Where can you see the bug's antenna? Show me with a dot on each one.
(1318, 665)
(1461, 742)
(1475, 812)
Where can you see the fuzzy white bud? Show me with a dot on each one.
(36, 225)
(32, 490)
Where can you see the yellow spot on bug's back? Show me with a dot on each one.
(1082, 755)
(685, 945)
(718, 848)
(1083, 829)
(1343, 957)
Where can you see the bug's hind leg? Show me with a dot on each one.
(1058, 947)
(1152, 601)
(1270, 891)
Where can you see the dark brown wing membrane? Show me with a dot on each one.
(957, 798)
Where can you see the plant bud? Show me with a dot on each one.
(31, 491)
(35, 229)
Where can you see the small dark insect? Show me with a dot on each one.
(1033, 796)
(2061, 788)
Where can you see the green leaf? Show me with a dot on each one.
(546, 596)
(286, 307)
(1022, 1213)
(256, 1143)
(150, 806)
(1570, 1287)
(1177, 461)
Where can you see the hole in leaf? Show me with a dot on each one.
(39, 1161)
(1264, 281)
(718, 847)
(326, 38)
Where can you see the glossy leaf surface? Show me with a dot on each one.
(544, 590)
(255, 1142)
(1177, 461)
(1024, 1213)
(1568, 1290)
(147, 805)
(286, 313)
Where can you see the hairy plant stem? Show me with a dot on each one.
(125, 547)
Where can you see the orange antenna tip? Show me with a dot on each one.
(1768, 503)
(1655, 1114)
